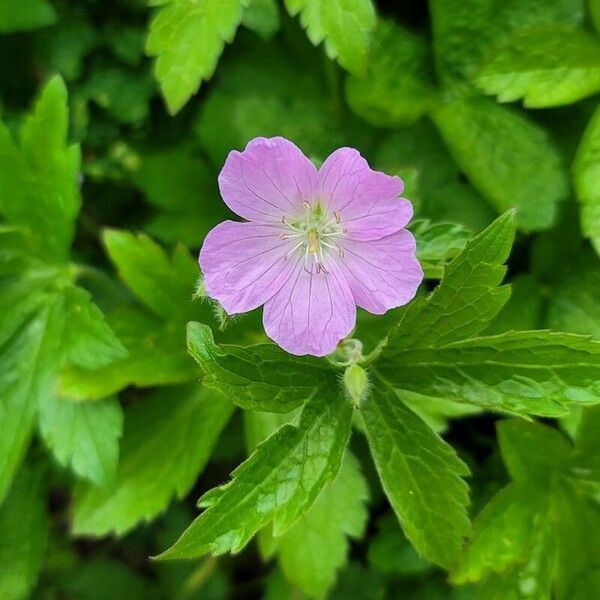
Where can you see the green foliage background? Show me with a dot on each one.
(472, 467)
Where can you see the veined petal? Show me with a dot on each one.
(311, 312)
(268, 180)
(384, 273)
(244, 264)
(368, 201)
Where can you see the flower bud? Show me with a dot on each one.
(356, 382)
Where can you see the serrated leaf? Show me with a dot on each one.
(544, 68)
(83, 436)
(398, 85)
(469, 32)
(278, 483)
(421, 476)
(39, 179)
(468, 296)
(525, 372)
(502, 533)
(28, 364)
(187, 38)
(532, 451)
(89, 341)
(437, 244)
(259, 377)
(156, 355)
(313, 550)
(586, 171)
(159, 281)
(510, 159)
(346, 26)
(23, 533)
(167, 440)
(16, 15)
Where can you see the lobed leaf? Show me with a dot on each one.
(421, 476)
(468, 296)
(167, 441)
(515, 164)
(277, 484)
(346, 26)
(38, 179)
(259, 377)
(398, 86)
(543, 67)
(83, 435)
(316, 546)
(526, 372)
(187, 38)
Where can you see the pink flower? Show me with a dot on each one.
(317, 244)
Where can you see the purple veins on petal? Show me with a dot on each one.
(316, 244)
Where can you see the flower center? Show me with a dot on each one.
(316, 234)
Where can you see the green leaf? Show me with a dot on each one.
(467, 33)
(159, 281)
(398, 86)
(586, 171)
(89, 341)
(523, 311)
(502, 533)
(279, 482)
(156, 355)
(532, 451)
(83, 436)
(345, 26)
(421, 476)
(125, 94)
(468, 296)
(187, 38)
(545, 67)
(18, 15)
(437, 244)
(390, 551)
(23, 533)
(167, 440)
(28, 364)
(259, 377)
(445, 194)
(510, 159)
(527, 372)
(186, 211)
(574, 304)
(313, 550)
(39, 179)
(262, 16)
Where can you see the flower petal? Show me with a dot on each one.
(244, 264)
(367, 201)
(312, 312)
(268, 180)
(384, 273)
